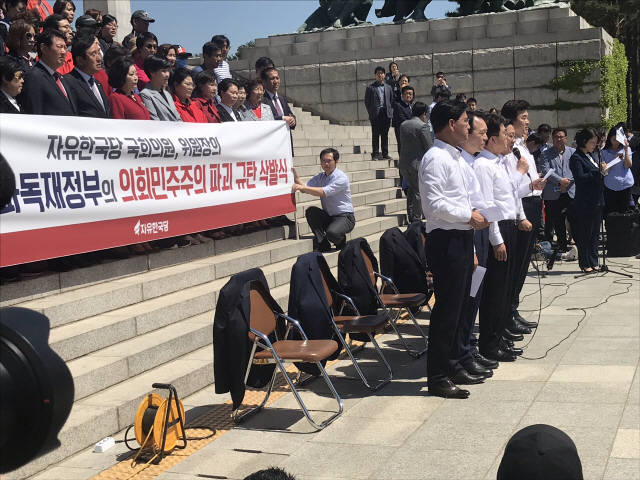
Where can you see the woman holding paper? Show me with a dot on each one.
(588, 198)
(619, 178)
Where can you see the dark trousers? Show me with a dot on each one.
(380, 130)
(524, 247)
(327, 228)
(397, 132)
(414, 206)
(469, 342)
(616, 201)
(556, 213)
(588, 235)
(450, 259)
(495, 304)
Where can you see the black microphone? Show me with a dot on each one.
(516, 153)
(7, 182)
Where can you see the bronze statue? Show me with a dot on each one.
(336, 14)
(403, 10)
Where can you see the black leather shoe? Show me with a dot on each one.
(465, 378)
(515, 351)
(499, 355)
(447, 389)
(514, 337)
(485, 362)
(514, 327)
(518, 318)
(474, 368)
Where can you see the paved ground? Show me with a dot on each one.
(587, 386)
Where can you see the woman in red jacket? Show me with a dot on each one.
(182, 83)
(125, 104)
(206, 90)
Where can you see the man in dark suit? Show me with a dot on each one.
(279, 106)
(416, 138)
(92, 100)
(45, 92)
(379, 101)
(402, 112)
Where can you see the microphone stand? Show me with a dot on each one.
(604, 269)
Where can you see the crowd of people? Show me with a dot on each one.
(48, 68)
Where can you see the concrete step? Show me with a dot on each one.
(113, 409)
(357, 176)
(82, 303)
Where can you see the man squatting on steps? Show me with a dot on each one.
(335, 219)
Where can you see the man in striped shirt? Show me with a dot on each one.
(223, 70)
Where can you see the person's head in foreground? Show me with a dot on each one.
(540, 452)
(272, 473)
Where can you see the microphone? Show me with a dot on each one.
(516, 153)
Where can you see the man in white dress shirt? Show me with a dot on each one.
(530, 190)
(451, 219)
(470, 359)
(498, 188)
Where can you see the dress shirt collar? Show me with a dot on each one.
(229, 111)
(85, 77)
(47, 68)
(272, 96)
(488, 155)
(405, 103)
(13, 101)
(379, 84)
(467, 156)
(453, 151)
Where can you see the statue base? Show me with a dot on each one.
(492, 57)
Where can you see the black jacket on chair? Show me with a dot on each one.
(400, 263)
(231, 345)
(42, 96)
(413, 235)
(308, 302)
(88, 105)
(353, 275)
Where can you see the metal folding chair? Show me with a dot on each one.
(262, 324)
(368, 324)
(398, 301)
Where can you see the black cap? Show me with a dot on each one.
(86, 21)
(142, 15)
(540, 452)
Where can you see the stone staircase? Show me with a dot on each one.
(126, 324)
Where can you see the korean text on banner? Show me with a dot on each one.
(86, 184)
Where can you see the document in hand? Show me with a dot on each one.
(551, 170)
(476, 280)
(620, 136)
(613, 162)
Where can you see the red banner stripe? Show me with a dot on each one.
(32, 245)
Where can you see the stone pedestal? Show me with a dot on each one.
(491, 57)
(121, 9)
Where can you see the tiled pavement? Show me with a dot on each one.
(587, 386)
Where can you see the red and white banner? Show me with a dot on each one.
(85, 184)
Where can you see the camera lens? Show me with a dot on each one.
(36, 393)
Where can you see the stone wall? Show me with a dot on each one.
(492, 57)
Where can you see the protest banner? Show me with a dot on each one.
(85, 184)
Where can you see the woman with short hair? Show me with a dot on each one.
(66, 8)
(124, 103)
(205, 90)
(254, 109)
(107, 33)
(183, 85)
(588, 198)
(12, 81)
(21, 41)
(155, 96)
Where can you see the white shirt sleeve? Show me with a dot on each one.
(486, 179)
